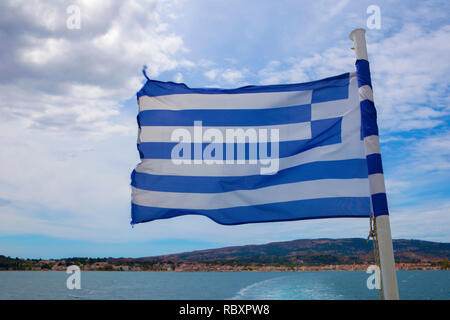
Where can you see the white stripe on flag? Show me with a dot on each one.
(330, 109)
(287, 132)
(263, 100)
(318, 189)
(343, 151)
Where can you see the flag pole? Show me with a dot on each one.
(376, 178)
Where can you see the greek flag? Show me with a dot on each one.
(253, 154)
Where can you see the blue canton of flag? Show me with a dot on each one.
(316, 168)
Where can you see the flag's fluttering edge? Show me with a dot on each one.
(256, 153)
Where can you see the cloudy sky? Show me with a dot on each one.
(68, 108)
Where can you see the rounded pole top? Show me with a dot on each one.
(357, 31)
(358, 37)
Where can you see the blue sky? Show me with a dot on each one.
(68, 108)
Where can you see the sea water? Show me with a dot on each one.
(330, 285)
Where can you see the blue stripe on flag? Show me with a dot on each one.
(154, 88)
(340, 169)
(222, 118)
(284, 211)
(335, 90)
(324, 132)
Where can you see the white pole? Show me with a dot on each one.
(372, 146)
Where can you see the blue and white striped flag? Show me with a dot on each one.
(253, 154)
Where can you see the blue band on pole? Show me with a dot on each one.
(369, 118)
(374, 164)
(363, 73)
(379, 204)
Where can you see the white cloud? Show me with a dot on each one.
(336, 8)
(397, 186)
(331, 62)
(411, 76)
(212, 74)
(44, 51)
(233, 76)
(204, 63)
(68, 144)
(65, 79)
(410, 73)
(178, 77)
(227, 77)
(431, 153)
(427, 222)
(231, 60)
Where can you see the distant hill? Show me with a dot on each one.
(282, 255)
(311, 252)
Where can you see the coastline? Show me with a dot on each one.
(425, 266)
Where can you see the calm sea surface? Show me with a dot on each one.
(217, 285)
